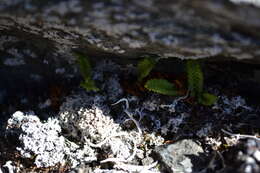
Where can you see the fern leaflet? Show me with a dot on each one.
(207, 99)
(161, 86)
(195, 78)
(144, 67)
(85, 70)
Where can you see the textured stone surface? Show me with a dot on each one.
(181, 157)
(182, 28)
(244, 157)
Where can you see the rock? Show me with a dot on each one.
(243, 157)
(182, 156)
(181, 29)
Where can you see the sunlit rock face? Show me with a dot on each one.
(183, 29)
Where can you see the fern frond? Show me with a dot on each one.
(84, 66)
(195, 83)
(161, 86)
(89, 85)
(85, 70)
(195, 78)
(208, 99)
(144, 67)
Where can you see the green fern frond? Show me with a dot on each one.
(161, 86)
(207, 99)
(195, 78)
(144, 67)
(84, 66)
(89, 85)
(85, 70)
(195, 83)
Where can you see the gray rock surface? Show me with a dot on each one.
(183, 156)
(245, 157)
(182, 28)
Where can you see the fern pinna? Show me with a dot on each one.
(85, 70)
(195, 83)
(195, 78)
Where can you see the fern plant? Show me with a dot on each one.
(161, 86)
(207, 99)
(144, 67)
(195, 81)
(85, 69)
(195, 78)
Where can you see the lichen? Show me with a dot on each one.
(44, 143)
(173, 124)
(229, 105)
(107, 73)
(88, 116)
(39, 140)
